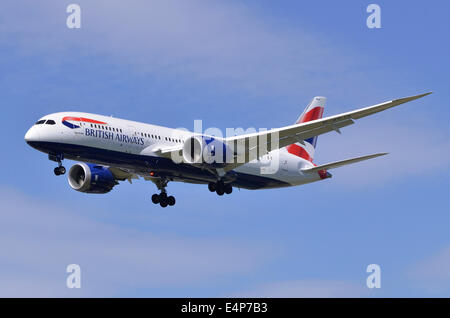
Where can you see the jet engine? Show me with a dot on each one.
(206, 150)
(90, 178)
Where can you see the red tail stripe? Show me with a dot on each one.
(312, 114)
(296, 150)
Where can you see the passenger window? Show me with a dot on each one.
(50, 122)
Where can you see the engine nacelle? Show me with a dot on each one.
(90, 178)
(206, 150)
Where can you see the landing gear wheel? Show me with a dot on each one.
(163, 200)
(171, 200)
(155, 198)
(220, 191)
(228, 189)
(163, 203)
(212, 186)
(59, 170)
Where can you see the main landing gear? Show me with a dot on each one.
(60, 169)
(220, 187)
(163, 199)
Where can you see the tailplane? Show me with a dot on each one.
(341, 163)
(312, 112)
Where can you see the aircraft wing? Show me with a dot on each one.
(251, 144)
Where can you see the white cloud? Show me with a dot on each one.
(195, 41)
(38, 241)
(432, 274)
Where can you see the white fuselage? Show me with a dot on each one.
(131, 145)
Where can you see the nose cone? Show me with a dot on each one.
(32, 135)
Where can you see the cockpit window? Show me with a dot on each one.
(50, 122)
(40, 122)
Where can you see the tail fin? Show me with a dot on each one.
(312, 112)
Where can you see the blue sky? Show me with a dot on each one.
(231, 64)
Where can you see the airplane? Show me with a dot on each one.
(110, 150)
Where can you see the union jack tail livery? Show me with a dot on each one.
(312, 112)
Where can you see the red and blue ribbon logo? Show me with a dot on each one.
(67, 121)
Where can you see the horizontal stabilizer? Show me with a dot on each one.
(341, 163)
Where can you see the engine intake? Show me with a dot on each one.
(90, 178)
(206, 150)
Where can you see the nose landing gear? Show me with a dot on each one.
(60, 169)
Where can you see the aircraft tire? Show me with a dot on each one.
(228, 189)
(212, 186)
(155, 198)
